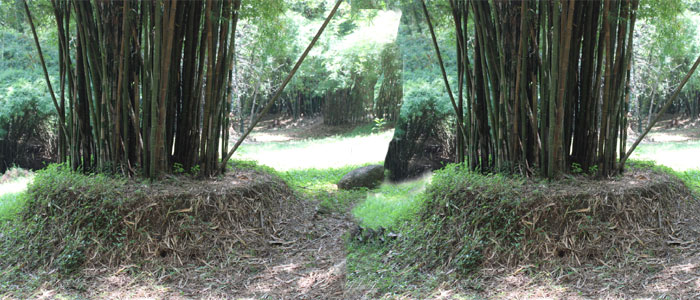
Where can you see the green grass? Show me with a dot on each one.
(331, 152)
(10, 205)
(313, 167)
(320, 184)
(680, 156)
(391, 204)
(12, 198)
(691, 179)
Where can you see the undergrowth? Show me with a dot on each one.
(72, 221)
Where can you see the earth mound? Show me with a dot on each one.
(476, 221)
(76, 221)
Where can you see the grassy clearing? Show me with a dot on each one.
(313, 167)
(315, 184)
(680, 156)
(320, 184)
(330, 152)
(12, 197)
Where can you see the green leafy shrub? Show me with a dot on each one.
(26, 109)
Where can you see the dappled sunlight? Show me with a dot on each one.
(520, 286)
(382, 28)
(121, 286)
(11, 200)
(320, 153)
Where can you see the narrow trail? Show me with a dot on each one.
(308, 269)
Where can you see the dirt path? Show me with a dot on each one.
(309, 269)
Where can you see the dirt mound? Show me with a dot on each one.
(485, 221)
(196, 220)
(76, 221)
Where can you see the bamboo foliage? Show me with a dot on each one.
(545, 83)
(143, 84)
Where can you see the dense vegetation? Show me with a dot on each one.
(26, 113)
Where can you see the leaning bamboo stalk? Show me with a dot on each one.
(661, 112)
(442, 68)
(61, 118)
(277, 94)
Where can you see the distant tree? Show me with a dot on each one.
(665, 45)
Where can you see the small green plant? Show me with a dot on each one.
(178, 169)
(72, 257)
(576, 168)
(194, 170)
(593, 170)
(379, 124)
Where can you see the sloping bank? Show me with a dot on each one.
(75, 221)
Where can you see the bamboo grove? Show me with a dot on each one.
(542, 85)
(145, 85)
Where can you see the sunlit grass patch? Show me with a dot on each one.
(314, 179)
(10, 205)
(320, 184)
(12, 197)
(391, 204)
(679, 156)
(330, 152)
(691, 179)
